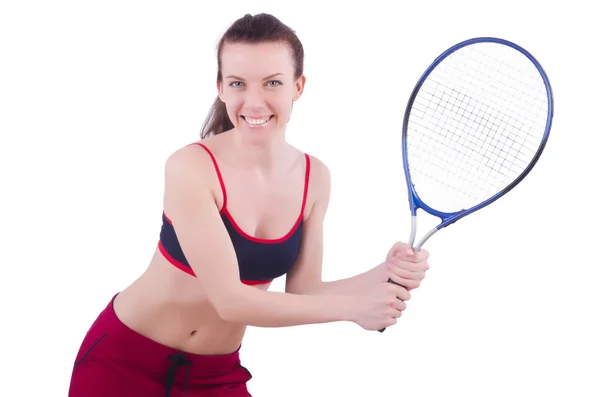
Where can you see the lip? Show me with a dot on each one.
(257, 117)
(269, 118)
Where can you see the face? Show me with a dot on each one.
(259, 88)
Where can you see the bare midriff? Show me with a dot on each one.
(169, 306)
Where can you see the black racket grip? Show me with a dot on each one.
(389, 281)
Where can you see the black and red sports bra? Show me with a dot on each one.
(259, 260)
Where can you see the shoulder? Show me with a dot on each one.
(189, 168)
(186, 160)
(319, 185)
(320, 175)
(196, 158)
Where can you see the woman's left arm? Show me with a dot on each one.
(401, 265)
(306, 275)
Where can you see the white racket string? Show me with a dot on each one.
(475, 125)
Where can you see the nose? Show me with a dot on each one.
(254, 97)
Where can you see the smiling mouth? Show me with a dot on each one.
(257, 121)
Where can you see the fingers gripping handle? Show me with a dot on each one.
(390, 281)
(411, 242)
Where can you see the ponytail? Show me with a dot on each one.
(217, 120)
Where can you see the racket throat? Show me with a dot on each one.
(413, 234)
(413, 231)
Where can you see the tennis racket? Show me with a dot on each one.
(475, 125)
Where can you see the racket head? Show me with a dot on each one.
(478, 118)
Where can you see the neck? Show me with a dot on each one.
(265, 156)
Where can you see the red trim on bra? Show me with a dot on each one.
(214, 160)
(190, 271)
(173, 261)
(306, 179)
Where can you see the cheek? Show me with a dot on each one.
(233, 105)
(283, 103)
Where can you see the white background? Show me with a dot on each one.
(95, 95)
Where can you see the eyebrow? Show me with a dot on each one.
(266, 78)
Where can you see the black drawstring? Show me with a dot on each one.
(177, 360)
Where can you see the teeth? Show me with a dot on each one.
(257, 121)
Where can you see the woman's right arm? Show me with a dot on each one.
(192, 208)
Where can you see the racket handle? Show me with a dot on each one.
(389, 281)
(413, 231)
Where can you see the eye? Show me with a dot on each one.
(235, 84)
(274, 83)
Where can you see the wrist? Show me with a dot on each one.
(348, 307)
(375, 275)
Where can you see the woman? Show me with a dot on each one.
(241, 208)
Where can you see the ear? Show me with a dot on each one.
(220, 91)
(299, 87)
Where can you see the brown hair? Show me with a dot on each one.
(260, 28)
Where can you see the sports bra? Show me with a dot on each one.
(260, 261)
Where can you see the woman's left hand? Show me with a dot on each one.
(406, 267)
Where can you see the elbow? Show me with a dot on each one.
(227, 312)
(228, 305)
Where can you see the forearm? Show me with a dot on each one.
(255, 307)
(344, 286)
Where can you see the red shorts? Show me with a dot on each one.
(115, 361)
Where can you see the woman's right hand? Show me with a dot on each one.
(380, 305)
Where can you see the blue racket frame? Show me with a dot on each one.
(448, 218)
